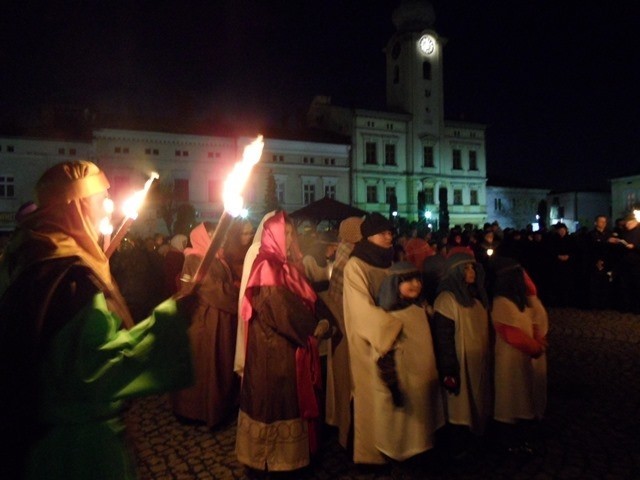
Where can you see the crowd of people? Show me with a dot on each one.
(405, 343)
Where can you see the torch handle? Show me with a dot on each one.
(219, 234)
(118, 237)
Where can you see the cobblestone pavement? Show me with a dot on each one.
(590, 432)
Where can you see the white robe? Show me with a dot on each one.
(472, 405)
(402, 432)
(520, 381)
(371, 333)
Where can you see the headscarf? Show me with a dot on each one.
(453, 280)
(507, 279)
(60, 227)
(389, 294)
(273, 267)
(200, 241)
(252, 253)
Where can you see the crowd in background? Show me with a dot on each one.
(426, 338)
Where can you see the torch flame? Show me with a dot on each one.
(132, 204)
(237, 179)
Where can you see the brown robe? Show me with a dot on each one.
(212, 333)
(271, 434)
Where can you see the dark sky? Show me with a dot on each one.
(556, 84)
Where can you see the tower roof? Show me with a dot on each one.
(413, 15)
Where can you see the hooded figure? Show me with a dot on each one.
(278, 401)
(66, 364)
(460, 329)
(521, 325)
(411, 409)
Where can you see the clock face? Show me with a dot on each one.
(427, 44)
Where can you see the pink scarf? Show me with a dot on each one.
(200, 241)
(272, 266)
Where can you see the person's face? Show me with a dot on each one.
(382, 239)
(469, 273)
(410, 288)
(631, 224)
(246, 235)
(562, 232)
(288, 235)
(97, 209)
(488, 237)
(601, 223)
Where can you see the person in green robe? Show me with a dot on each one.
(69, 353)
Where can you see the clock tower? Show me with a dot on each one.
(414, 75)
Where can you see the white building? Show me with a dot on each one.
(410, 148)
(625, 195)
(515, 207)
(577, 209)
(22, 161)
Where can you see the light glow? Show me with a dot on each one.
(237, 179)
(132, 205)
(427, 214)
(637, 215)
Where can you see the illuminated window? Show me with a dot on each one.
(370, 153)
(7, 186)
(372, 194)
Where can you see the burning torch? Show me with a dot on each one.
(233, 206)
(130, 209)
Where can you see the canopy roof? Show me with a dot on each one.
(327, 209)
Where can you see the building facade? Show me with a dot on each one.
(409, 151)
(625, 195)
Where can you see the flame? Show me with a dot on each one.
(106, 228)
(132, 204)
(237, 179)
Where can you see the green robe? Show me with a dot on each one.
(81, 373)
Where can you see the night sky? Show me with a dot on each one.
(556, 84)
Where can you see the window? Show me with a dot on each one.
(497, 204)
(390, 154)
(7, 186)
(147, 151)
(396, 75)
(280, 192)
(156, 152)
(370, 153)
(310, 160)
(215, 191)
(10, 149)
(473, 160)
(426, 70)
(473, 197)
(178, 153)
(429, 198)
(61, 151)
(372, 194)
(308, 193)
(181, 190)
(117, 150)
(209, 154)
(427, 156)
(457, 196)
(185, 153)
(389, 192)
(457, 159)
(330, 191)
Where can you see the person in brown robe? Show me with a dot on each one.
(278, 399)
(213, 398)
